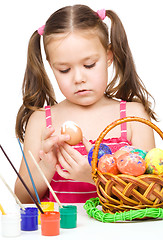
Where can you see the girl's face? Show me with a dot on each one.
(79, 64)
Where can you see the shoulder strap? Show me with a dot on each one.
(48, 116)
(122, 115)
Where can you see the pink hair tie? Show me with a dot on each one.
(41, 30)
(101, 13)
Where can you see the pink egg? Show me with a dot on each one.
(132, 164)
(108, 164)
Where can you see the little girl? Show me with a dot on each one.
(80, 50)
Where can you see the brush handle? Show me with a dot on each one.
(13, 194)
(2, 210)
(45, 179)
(32, 197)
(29, 172)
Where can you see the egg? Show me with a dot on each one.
(154, 161)
(139, 152)
(73, 130)
(103, 149)
(107, 164)
(127, 148)
(132, 164)
(118, 153)
(123, 150)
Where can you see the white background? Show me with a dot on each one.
(19, 19)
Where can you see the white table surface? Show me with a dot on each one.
(89, 228)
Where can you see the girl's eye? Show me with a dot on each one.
(90, 66)
(65, 71)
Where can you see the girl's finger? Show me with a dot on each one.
(49, 144)
(42, 155)
(47, 161)
(48, 132)
(62, 173)
(64, 163)
(87, 144)
(63, 138)
(70, 151)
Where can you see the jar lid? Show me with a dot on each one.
(29, 211)
(50, 215)
(69, 209)
(11, 217)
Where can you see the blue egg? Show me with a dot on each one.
(103, 149)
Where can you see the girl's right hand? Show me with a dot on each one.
(50, 143)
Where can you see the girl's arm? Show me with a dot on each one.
(33, 142)
(141, 135)
(39, 140)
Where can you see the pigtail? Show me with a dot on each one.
(37, 89)
(126, 84)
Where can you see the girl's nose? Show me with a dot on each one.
(78, 76)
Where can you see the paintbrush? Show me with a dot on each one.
(45, 179)
(31, 195)
(30, 175)
(2, 210)
(13, 194)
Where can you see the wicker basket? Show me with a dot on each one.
(119, 193)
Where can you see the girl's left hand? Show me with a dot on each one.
(75, 164)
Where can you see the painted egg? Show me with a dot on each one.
(154, 161)
(118, 153)
(132, 164)
(139, 152)
(103, 149)
(73, 130)
(107, 164)
(127, 148)
(123, 150)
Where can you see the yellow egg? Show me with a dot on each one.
(73, 130)
(154, 161)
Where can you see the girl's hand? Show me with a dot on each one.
(75, 164)
(50, 142)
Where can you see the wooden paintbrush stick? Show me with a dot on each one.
(45, 179)
(29, 172)
(32, 197)
(13, 194)
(2, 210)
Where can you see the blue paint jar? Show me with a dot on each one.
(29, 219)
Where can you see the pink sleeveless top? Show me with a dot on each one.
(70, 191)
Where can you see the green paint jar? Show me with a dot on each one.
(68, 215)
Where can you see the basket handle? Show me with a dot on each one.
(111, 126)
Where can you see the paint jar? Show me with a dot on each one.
(68, 216)
(46, 206)
(50, 223)
(10, 225)
(29, 219)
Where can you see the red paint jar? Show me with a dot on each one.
(50, 223)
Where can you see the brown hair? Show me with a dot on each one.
(37, 89)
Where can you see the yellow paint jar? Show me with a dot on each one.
(46, 207)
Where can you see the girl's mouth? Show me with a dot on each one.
(82, 92)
